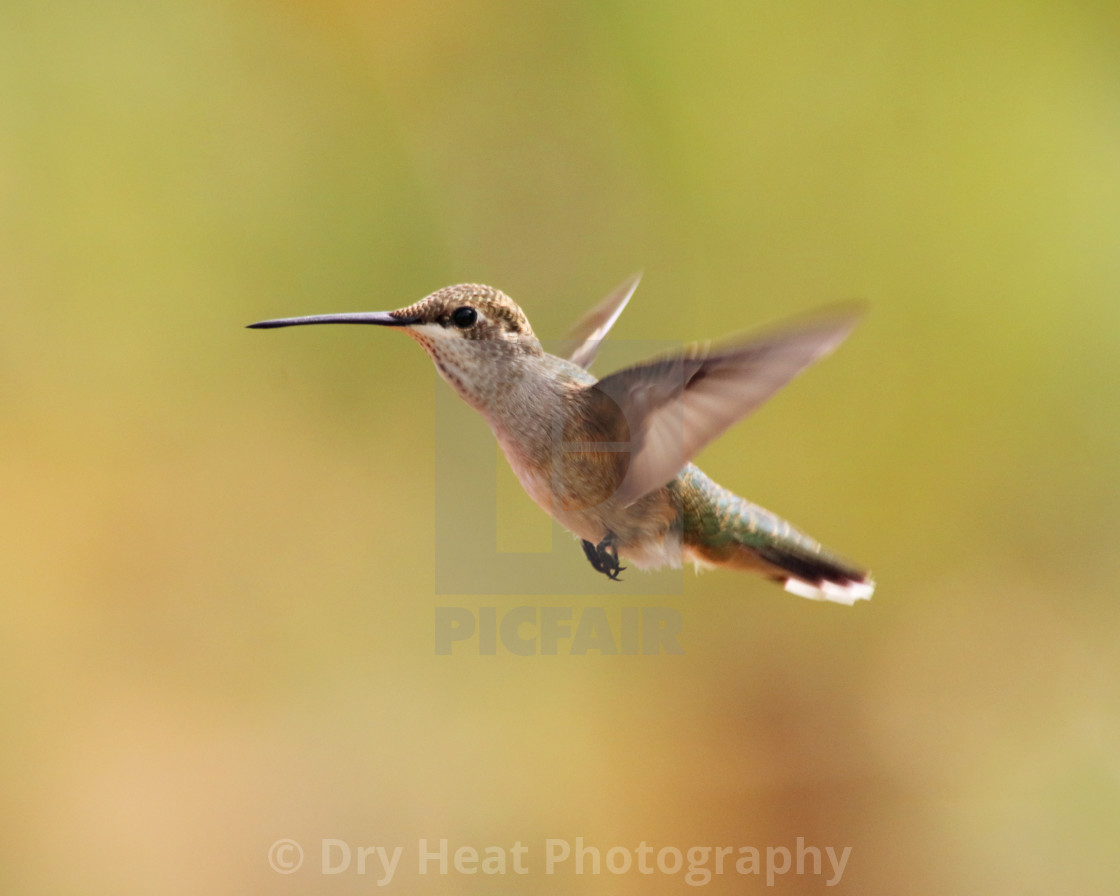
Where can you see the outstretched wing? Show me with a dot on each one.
(590, 329)
(674, 406)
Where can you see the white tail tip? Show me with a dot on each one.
(838, 594)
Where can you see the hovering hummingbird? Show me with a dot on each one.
(610, 458)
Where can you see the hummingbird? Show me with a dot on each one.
(611, 459)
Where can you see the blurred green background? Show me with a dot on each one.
(218, 544)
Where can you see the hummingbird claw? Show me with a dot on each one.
(603, 557)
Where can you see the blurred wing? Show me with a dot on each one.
(590, 329)
(675, 406)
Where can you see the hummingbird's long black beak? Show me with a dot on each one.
(378, 318)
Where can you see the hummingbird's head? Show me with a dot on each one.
(474, 334)
(468, 312)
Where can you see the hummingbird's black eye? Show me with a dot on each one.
(464, 317)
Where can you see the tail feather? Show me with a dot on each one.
(818, 576)
(722, 529)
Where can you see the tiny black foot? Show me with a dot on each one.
(603, 557)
